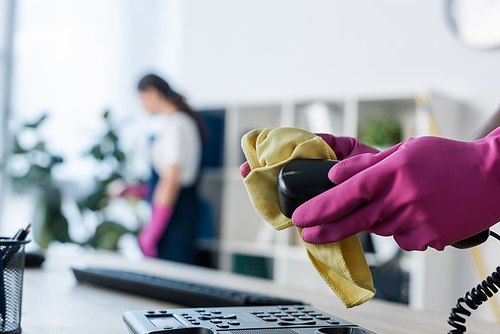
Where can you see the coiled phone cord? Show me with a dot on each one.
(473, 298)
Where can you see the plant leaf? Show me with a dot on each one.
(17, 148)
(40, 146)
(107, 235)
(37, 123)
(96, 152)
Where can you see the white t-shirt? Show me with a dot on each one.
(178, 143)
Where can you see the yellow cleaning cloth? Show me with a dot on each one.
(341, 264)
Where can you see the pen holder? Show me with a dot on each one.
(11, 284)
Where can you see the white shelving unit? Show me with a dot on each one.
(243, 232)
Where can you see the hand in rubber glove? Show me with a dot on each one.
(151, 233)
(427, 191)
(140, 190)
(343, 147)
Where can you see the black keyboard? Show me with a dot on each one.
(176, 291)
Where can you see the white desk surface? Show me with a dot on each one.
(53, 301)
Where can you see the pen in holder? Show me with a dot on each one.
(11, 283)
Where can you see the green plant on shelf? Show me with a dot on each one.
(381, 132)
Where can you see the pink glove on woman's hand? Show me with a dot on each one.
(151, 233)
(140, 190)
(427, 191)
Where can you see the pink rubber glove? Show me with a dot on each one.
(424, 192)
(151, 233)
(343, 147)
(140, 190)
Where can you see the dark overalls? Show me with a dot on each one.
(178, 242)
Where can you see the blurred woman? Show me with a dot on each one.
(176, 157)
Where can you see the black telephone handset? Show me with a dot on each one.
(301, 180)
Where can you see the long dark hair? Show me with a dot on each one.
(152, 80)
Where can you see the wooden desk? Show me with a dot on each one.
(53, 302)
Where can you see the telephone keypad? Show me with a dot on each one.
(222, 320)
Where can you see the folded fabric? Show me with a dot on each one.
(341, 264)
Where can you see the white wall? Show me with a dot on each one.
(259, 49)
